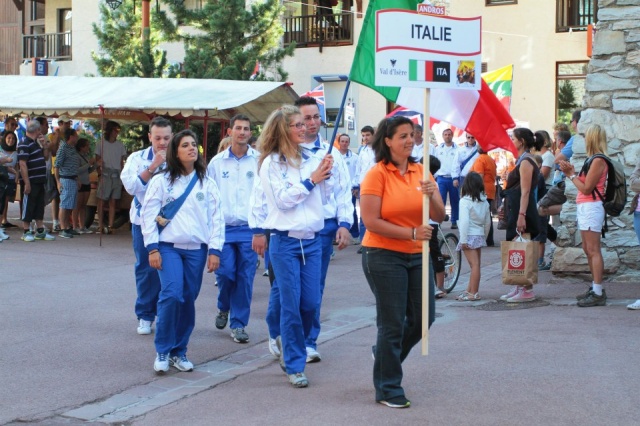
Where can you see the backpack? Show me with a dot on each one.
(615, 194)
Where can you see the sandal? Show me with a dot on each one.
(468, 297)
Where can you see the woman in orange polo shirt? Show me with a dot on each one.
(485, 166)
(391, 208)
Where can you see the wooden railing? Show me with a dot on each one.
(575, 15)
(314, 30)
(50, 46)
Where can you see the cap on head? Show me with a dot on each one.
(64, 118)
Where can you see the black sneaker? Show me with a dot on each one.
(239, 335)
(584, 295)
(221, 319)
(593, 300)
(396, 402)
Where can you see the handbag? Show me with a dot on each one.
(519, 261)
(169, 210)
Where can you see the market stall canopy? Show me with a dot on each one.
(137, 99)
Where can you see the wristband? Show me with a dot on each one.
(413, 235)
(523, 214)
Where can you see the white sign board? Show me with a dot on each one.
(438, 52)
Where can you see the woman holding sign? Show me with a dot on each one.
(183, 229)
(391, 207)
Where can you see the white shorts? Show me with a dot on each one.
(590, 216)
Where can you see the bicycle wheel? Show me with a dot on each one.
(452, 261)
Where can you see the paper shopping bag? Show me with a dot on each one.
(519, 261)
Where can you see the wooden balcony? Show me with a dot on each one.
(51, 46)
(316, 30)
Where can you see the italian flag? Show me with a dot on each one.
(420, 70)
(477, 112)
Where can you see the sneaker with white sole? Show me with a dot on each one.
(239, 335)
(523, 295)
(509, 295)
(181, 363)
(161, 364)
(313, 355)
(78, 231)
(144, 326)
(634, 306)
(273, 348)
(396, 402)
(28, 237)
(298, 380)
(45, 235)
(3, 236)
(64, 234)
(221, 319)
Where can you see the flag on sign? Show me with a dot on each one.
(429, 71)
(318, 94)
(473, 111)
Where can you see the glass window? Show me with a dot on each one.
(570, 88)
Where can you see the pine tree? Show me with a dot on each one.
(566, 96)
(230, 39)
(122, 52)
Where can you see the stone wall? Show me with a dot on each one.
(612, 100)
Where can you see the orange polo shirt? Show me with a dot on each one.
(401, 203)
(485, 166)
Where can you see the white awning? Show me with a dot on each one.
(135, 99)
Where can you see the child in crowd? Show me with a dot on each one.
(474, 223)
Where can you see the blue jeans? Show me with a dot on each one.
(147, 279)
(636, 224)
(235, 277)
(396, 282)
(296, 264)
(445, 184)
(181, 278)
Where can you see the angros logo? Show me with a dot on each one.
(429, 9)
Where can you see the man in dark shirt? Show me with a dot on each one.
(33, 169)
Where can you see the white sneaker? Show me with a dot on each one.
(181, 363)
(3, 236)
(144, 326)
(634, 306)
(273, 348)
(313, 355)
(512, 293)
(161, 364)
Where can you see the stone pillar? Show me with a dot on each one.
(612, 100)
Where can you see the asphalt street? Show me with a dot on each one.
(71, 353)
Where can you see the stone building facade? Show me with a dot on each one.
(612, 101)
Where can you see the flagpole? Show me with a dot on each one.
(335, 126)
(426, 283)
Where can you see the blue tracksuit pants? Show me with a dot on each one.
(445, 184)
(235, 277)
(327, 235)
(147, 279)
(180, 278)
(296, 264)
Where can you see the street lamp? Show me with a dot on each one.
(114, 4)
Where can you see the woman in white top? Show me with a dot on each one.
(295, 215)
(192, 238)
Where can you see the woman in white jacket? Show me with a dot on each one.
(474, 224)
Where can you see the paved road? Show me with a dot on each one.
(71, 353)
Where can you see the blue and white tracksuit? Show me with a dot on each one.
(338, 212)
(235, 179)
(294, 216)
(351, 161)
(449, 171)
(147, 279)
(366, 160)
(196, 230)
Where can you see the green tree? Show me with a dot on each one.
(566, 96)
(122, 52)
(230, 39)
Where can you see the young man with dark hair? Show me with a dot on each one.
(140, 167)
(234, 170)
(448, 177)
(366, 160)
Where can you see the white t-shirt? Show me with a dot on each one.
(548, 160)
(112, 154)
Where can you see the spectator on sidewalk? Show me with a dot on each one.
(86, 166)
(475, 222)
(8, 146)
(391, 201)
(66, 173)
(55, 139)
(634, 185)
(520, 203)
(590, 212)
(191, 239)
(110, 158)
